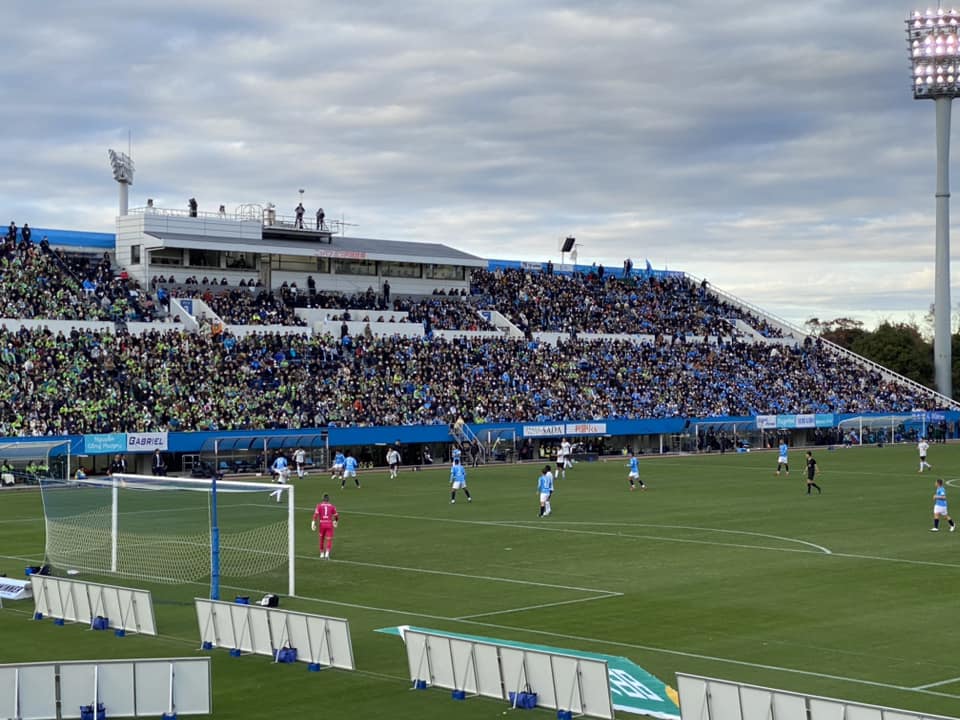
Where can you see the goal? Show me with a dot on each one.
(868, 429)
(171, 530)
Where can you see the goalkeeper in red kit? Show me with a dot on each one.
(325, 518)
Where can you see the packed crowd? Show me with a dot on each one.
(41, 283)
(643, 304)
(92, 382)
(89, 382)
(71, 288)
(438, 313)
(248, 306)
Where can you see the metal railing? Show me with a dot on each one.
(267, 216)
(289, 222)
(171, 212)
(802, 334)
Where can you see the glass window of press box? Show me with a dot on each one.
(204, 258)
(166, 256)
(444, 272)
(401, 269)
(241, 260)
(300, 263)
(355, 267)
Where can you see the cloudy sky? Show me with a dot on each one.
(772, 148)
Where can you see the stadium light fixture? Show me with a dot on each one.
(123, 174)
(933, 44)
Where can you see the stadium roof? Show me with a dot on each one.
(75, 238)
(349, 248)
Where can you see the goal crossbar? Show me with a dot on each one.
(250, 543)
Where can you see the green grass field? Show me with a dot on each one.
(720, 569)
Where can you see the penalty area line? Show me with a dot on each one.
(426, 571)
(538, 607)
(936, 684)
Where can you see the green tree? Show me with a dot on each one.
(842, 331)
(900, 347)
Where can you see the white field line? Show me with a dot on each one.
(605, 596)
(936, 684)
(547, 527)
(520, 524)
(463, 575)
(580, 638)
(821, 548)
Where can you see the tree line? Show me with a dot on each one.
(903, 347)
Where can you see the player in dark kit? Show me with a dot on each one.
(812, 474)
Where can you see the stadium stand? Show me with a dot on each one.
(643, 304)
(165, 379)
(41, 283)
(677, 349)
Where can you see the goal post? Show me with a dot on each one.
(168, 529)
(884, 428)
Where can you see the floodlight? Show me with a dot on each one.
(123, 174)
(932, 45)
(568, 244)
(122, 167)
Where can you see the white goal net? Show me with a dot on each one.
(160, 528)
(870, 429)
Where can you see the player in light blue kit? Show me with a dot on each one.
(350, 465)
(456, 454)
(545, 490)
(458, 481)
(782, 458)
(338, 461)
(634, 475)
(940, 507)
(281, 471)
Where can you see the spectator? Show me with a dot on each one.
(7, 476)
(192, 205)
(320, 216)
(300, 210)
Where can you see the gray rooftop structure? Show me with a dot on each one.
(341, 247)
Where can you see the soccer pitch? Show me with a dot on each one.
(720, 568)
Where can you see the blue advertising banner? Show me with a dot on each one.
(105, 444)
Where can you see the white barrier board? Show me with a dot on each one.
(126, 688)
(703, 698)
(265, 630)
(126, 609)
(561, 682)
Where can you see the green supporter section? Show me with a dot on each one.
(632, 688)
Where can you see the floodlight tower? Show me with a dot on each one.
(934, 47)
(123, 174)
